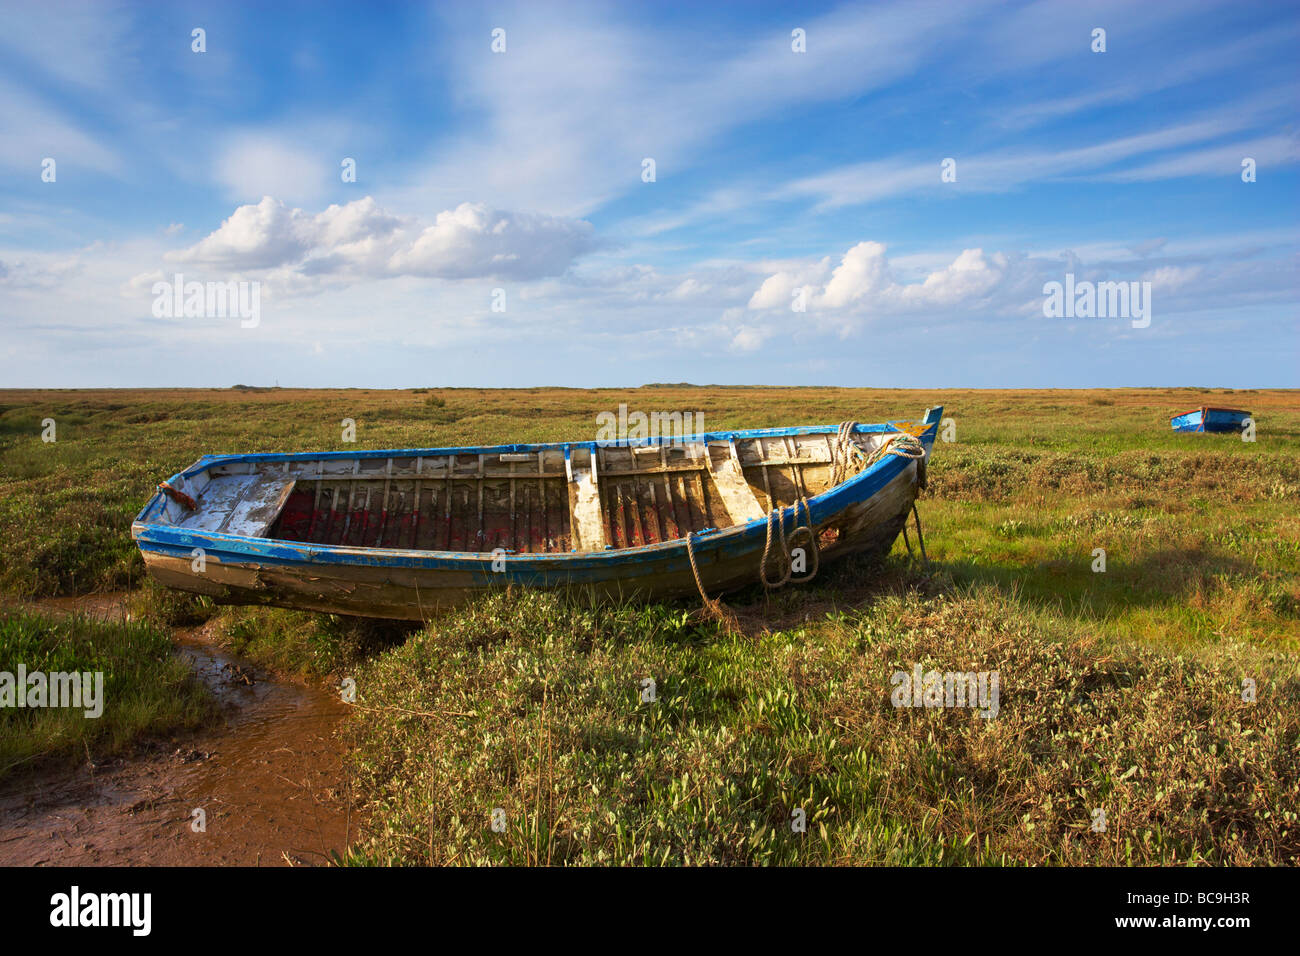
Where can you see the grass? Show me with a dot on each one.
(294, 644)
(147, 689)
(534, 705)
(531, 703)
(304, 644)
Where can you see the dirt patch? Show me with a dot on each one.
(268, 779)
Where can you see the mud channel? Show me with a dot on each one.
(268, 777)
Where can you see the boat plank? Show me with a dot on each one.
(737, 496)
(587, 519)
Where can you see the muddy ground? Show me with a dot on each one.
(268, 778)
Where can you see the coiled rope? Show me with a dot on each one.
(787, 546)
(843, 448)
(844, 453)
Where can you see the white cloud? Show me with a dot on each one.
(862, 272)
(690, 288)
(972, 275)
(359, 239)
(254, 237)
(472, 240)
(863, 282)
(1269, 152)
(779, 288)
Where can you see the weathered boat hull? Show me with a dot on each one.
(862, 514)
(1206, 419)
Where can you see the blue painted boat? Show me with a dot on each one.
(1207, 419)
(401, 533)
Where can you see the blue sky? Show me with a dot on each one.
(797, 230)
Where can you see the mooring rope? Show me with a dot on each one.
(690, 553)
(844, 449)
(902, 445)
(712, 608)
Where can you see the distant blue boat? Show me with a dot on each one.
(400, 533)
(1207, 419)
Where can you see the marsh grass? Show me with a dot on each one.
(148, 689)
(533, 704)
(293, 644)
(304, 644)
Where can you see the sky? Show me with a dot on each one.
(874, 194)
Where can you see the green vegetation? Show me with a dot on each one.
(295, 644)
(147, 688)
(1121, 690)
(535, 705)
(305, 644)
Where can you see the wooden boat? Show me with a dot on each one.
(400, 533)
(1207, 419)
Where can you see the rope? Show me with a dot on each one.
(841, 450)
(904, 446)
(813, 549)
(712, 608)
(844, 452)
(767, 550)
(690, 553)
(787, 546)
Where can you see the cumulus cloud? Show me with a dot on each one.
(864, 282)
(863, 272)
(972, 275)
(473, 240)
(360, 239)
(779, 289)
(254, 237)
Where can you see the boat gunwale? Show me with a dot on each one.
(1210, 408)
(146, 531)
